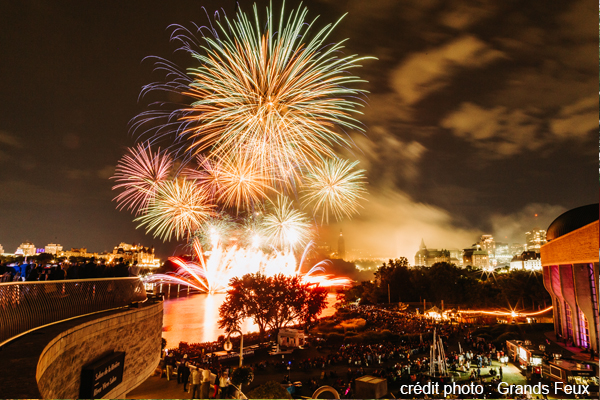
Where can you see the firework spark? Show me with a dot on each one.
(179, 207)
(332, 187)
(286, 227)
(139, 173)
(208, 175)
(212, 272)
(242, 184)
(277, 93)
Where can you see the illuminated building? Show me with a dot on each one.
(476, 257)
(456, 257)
(488, 244)
(528, 261)
(570, 266)
(323, 248)
(535, 239)
(26, 248)
(503, 254)
(1, 249)
(516, 249)
(341, 246)
(135, 254)
(53, 248)
(427, 257)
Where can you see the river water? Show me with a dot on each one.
(193, 318)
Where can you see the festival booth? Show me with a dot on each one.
(436, 313)
(291, 338)
(526, 356)
(575, 373)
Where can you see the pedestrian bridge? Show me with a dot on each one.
(53, 333)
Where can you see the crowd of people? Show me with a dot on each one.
(199, 378)
(90, 269)
(340, 364)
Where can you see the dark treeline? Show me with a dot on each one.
(454, 285)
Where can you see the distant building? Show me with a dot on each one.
(26, 248)
(503, 254)
(456, 256)
(323, 248)
(1, 249)
(135, 254)
(570, 266)
(528, 261)
(488, 244)
(476, 257)
(427, 257)
(341, 246)
(53, 248)
(76, 252)
(535, 239)
(516, 249)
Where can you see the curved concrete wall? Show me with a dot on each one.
(137, 332)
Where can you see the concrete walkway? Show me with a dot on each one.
(159, 388)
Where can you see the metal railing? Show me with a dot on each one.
(28, 305)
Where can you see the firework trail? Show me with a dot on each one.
(278, 93)
(263, 108)
(332, 187)
(179, 207)
(138, 174)
(285, 226)
(212, 272)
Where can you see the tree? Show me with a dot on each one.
(247, 298)
(274, 302)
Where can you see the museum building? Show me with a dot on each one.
(570, 266)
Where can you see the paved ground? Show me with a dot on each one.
(159, 388)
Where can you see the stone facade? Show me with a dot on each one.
(570, 267)
(137, 332)
(572, 248)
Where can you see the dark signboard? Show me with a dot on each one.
(101, 376)
(582, 373)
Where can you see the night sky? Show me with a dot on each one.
(480, 115)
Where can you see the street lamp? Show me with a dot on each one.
(228, 346)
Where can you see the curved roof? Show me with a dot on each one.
(572, 220)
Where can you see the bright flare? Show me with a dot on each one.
(212, 272)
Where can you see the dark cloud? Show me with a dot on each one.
(425, 72)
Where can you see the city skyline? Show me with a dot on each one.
(479, 117)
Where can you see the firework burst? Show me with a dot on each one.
(286, 227)
(138, 174)
(179, 208)
(277, 93)
(334, 188)
(207, 175)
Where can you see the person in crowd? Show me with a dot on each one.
(204, 393)
(216, 384)
(170, 361)
(196, 379)
(180, 369)
(34, 274)
(224, 384)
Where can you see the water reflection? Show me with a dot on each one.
(194, 319)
